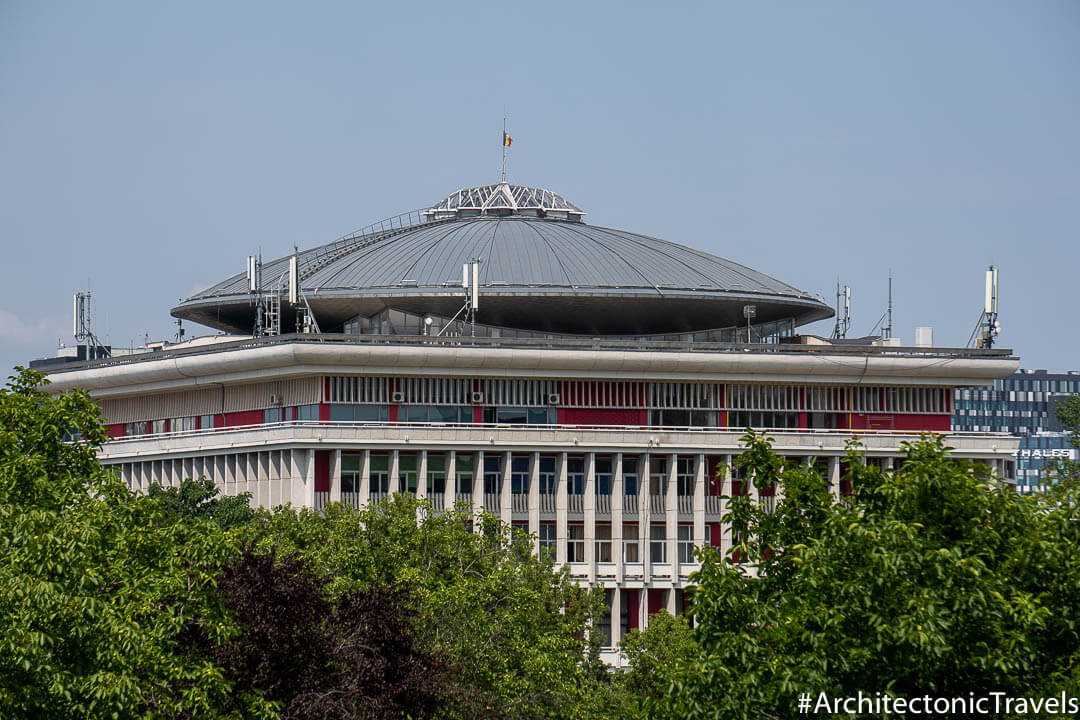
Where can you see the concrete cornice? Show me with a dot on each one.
(289, 360)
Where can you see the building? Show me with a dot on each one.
(586, 384)
(1022, 405)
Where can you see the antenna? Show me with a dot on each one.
(888, 326)
(843, 312)
(988, 318)
(82, 322)
(470, 283)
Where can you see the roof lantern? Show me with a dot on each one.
(503, 199)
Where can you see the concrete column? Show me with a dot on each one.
(394, 471)
(506, 500)
(450, 487)
(421, 474)
(616, 612)
(834, 478)
(534, 494)
(589, 508)
(700, 475)
(617, 489)
(643, 608)
(644, 471)
(725, 527)
(562, 503)
(365, 479)
(478, 489)
(671, 516)
(335, 476)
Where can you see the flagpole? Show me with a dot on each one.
(504, 149)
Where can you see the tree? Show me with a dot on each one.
(1068, 413)
(666, 642)
(348, 659)
(200, 498)
(94, 586)
(927, 580)
(515, 628)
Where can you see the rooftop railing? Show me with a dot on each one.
(561, 343)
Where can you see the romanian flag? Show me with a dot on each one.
(506, 140)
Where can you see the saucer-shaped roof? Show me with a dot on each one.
(541, 268)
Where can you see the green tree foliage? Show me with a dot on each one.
(200, 498)
(928, 580)
(666, 642)
(512, 626)
(350, 659)
(1068, 412)
(95, 586)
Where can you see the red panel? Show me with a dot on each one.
(716, 478)
(656, 601)
(721, 418)
(393, 413)
(803, 422)
(857, 421)
(602, 416)
(933, 423)
(633, 598)
(477, 414)
(249, 417)
(322, 471)
(114, 431)
(715, 535)
(326, 389)
(219, 421)
(324, 409)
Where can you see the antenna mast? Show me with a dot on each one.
(843, 312)
(888, 326)
(988, 319)
(82, 322)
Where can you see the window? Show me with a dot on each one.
(603, 475)
(182, 424)
(686, 543)
(359, 413)
(307, 413)
(135, 428)
(685, 476)
(575, 475)
(519, 474)
(157, 426)
(547, 540)
(630, 543)
(575, 544)
(380, 474)
(492, 473)
(407, 473)
(434, 414)
(436, 474)
(547, 475)
(657, 544)
(630, 476)
(463, 469)
(520, 415)
(603, 543)
(272, 415)
(658, 476)
(350, 473)
(206, 421)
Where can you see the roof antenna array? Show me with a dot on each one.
(82, 326)
(843, 312)
(988, 318)
(470, 283)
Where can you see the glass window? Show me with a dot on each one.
(603, 475)
(657, 544)
(436, 474)
(603, 543)
(350, 473)
(492, 473)
(182, 424)
(360, 413)
(206, 422)
(547, 474)
(519, 474)
(685, 476)
(630, 476)
(135, 428)
(575, 475)
(575, 544)
(686, 543)
(547, 540)
(407, 473)
(463, 468)
(380, 474)
(307, 413)
(630, 543)
(272, 415)
(157, 426)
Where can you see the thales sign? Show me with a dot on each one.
(1047, 453)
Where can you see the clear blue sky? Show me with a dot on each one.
(147, 148)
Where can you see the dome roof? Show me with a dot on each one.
(541, 268)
